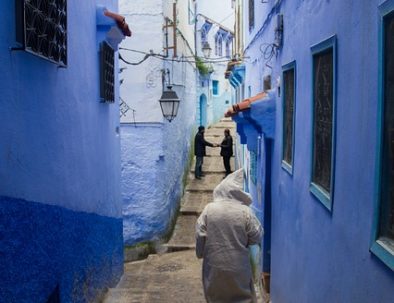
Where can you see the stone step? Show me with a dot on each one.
(213, 151)
(193, 203)
(174, 277)
(225, 124)
(212, 165)
(183, 235)
(205, 184)
(216, 132)
(115, 295)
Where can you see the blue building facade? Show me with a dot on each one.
(214, 24)
(319, 148)
(60, 207)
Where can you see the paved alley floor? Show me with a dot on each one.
(175, 276)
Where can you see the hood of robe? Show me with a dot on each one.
(231, 189)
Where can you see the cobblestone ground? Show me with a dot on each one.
(175, 276)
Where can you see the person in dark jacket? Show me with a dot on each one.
(227, 150)
(200, 151)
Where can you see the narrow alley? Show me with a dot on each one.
(174, 275)
(107, 107)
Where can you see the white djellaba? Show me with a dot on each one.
(225, 230)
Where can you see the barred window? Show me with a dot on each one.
(107, 73)
(386, 230)
(41, 28)
(288, 116)
(323, 146)
(323, 113)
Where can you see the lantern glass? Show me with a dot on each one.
(169, 103)
(206, 50)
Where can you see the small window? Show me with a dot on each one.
(107, 73)
(219, 45)
(41, 28)
(288, 116)
(203, 37)
(251, 14)
(228, 48)
(383, 244)
(267, 83)
(323, 121)
(215, 87)
(253, 167)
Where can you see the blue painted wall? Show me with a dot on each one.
(60, 204)
(154, 159)
(318, 256)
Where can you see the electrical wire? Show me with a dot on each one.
(161, 57)
(182, 59)
(134, 63)
(274, 10)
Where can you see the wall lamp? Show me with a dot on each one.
(206, 50)
(169, 103)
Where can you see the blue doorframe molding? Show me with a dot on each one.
(377, 247)
(253, 124)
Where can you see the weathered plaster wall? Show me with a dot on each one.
(154, 152)
(141, 87)
(60, 207)
(319, 256)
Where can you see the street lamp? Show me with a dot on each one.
(169, 103)
(206, 50)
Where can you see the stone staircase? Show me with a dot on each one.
(175, 276)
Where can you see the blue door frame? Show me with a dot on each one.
(203, 110)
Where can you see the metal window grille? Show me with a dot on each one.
(386, 231)
(41, 28)
(288, 115)
(107, 73)
(323, 74)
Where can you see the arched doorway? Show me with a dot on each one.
(203, 110)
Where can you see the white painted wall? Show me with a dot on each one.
(141, 88)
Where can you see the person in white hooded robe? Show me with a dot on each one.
(224, 231)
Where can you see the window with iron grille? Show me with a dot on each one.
(107, 73)
(323, 144)
(386, 230)
(41, 28)
(251, 14)
(288, 116)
